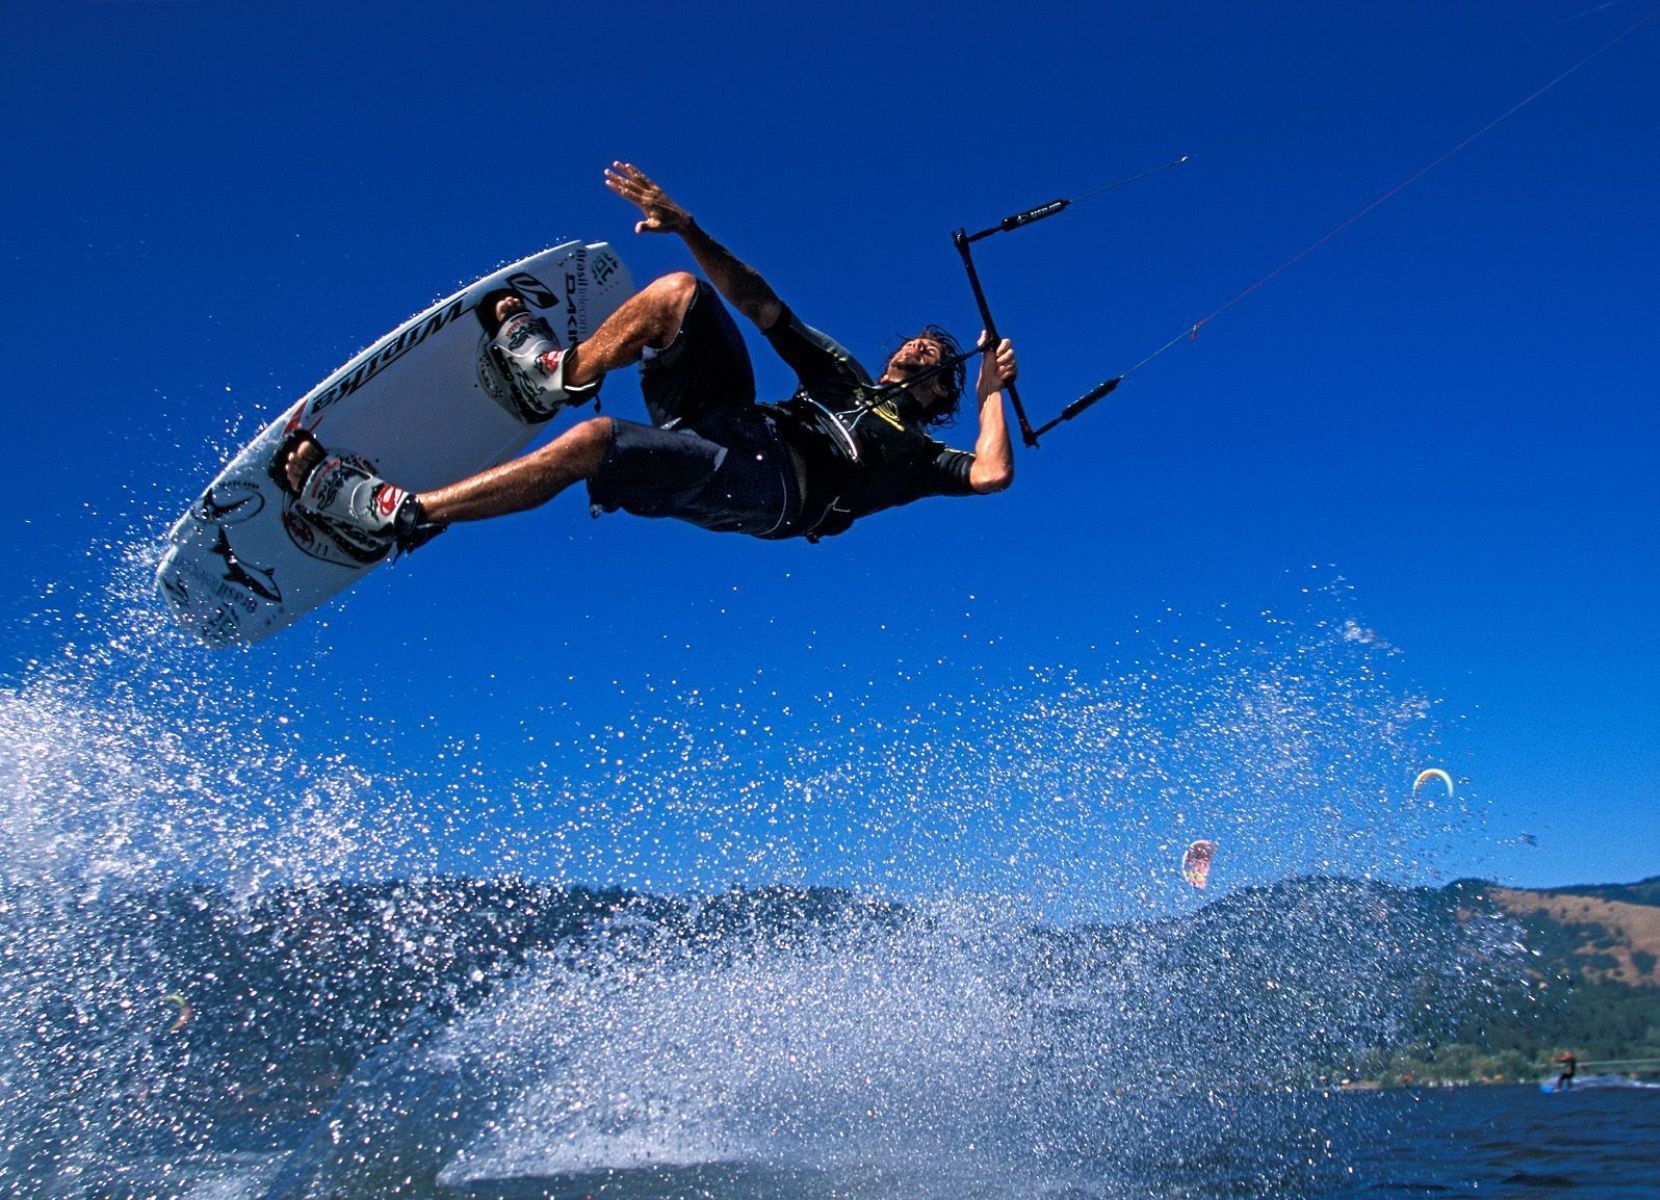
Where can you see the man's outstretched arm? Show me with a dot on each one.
(736, 280)
(993, 468)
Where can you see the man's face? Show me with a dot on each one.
(914, 356)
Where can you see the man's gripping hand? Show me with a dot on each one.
(662, 215)
(997, 367)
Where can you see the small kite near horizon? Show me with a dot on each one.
(1196, 863)
(184, 1011)
(1432, 773)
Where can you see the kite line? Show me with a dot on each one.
(963, 240)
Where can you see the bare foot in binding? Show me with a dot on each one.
(530, 358)
(363, 512)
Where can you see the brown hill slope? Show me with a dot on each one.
(1618, 942)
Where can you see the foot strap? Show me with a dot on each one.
(364, 515)
(531, 358)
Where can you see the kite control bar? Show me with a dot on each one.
(962, 239)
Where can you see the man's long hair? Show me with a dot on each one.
(943, 412)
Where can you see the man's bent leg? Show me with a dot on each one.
(703, 371)
(525, 482)
(651, 317)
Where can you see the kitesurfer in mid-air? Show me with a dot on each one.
(843, 447)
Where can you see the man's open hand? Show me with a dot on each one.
(662, 215)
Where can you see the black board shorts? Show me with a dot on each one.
(710, 456)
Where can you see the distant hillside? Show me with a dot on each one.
(1611, 940)
(1589, 983)
(1326, 978)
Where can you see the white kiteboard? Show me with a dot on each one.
(423, 406)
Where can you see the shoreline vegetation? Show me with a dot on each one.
(1470, 1066)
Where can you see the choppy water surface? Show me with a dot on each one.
(1601, 1144)
(924, 938)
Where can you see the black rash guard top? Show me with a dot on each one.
(864, 450)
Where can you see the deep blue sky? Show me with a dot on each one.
(1450, 407)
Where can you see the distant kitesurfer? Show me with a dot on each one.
(1570, 1065)
(843, 447)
